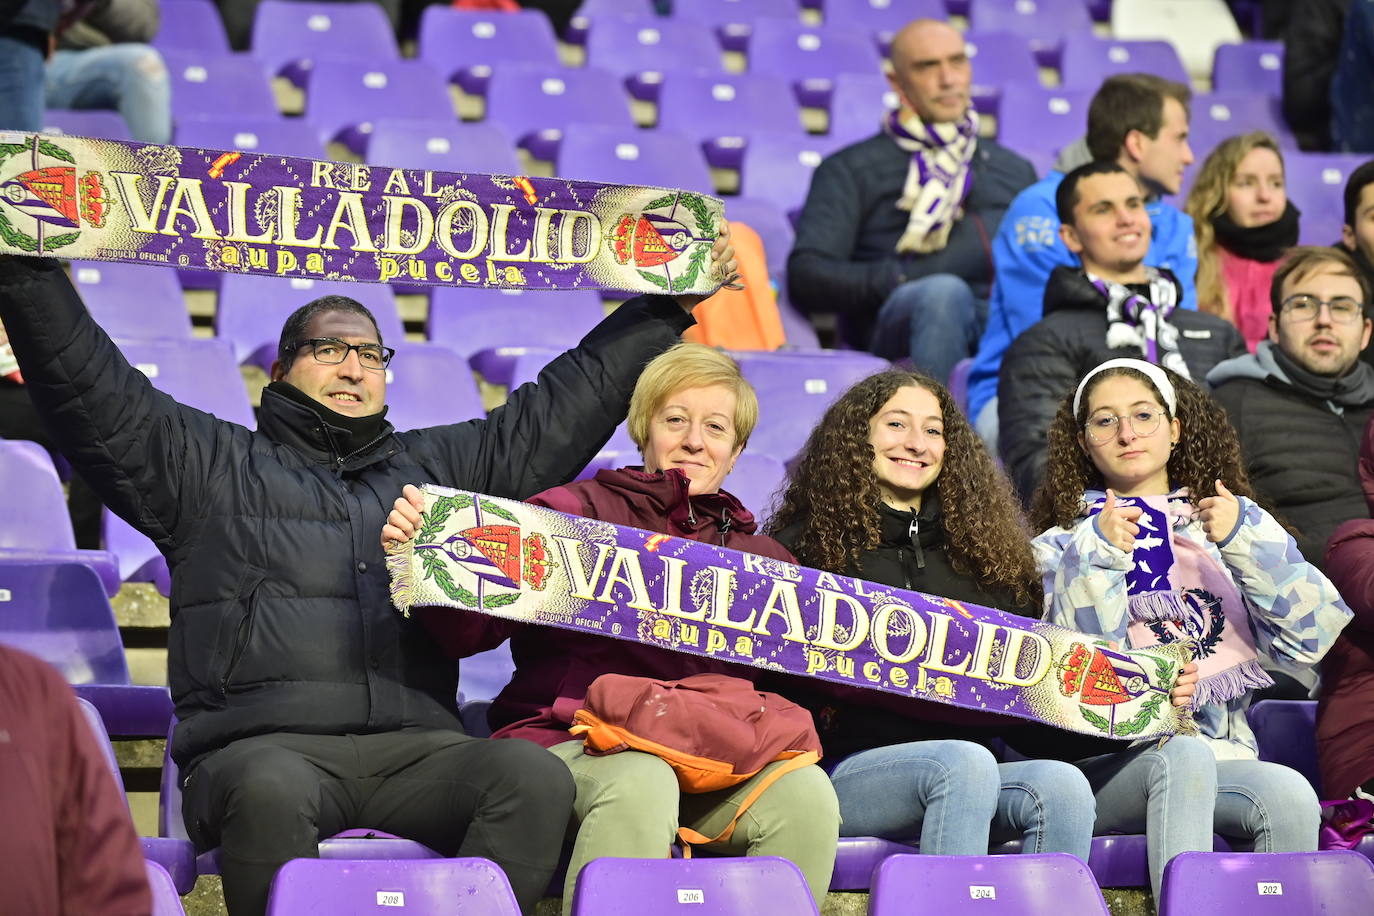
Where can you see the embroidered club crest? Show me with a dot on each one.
(659, 241)
(40, 204)
(1105, 679)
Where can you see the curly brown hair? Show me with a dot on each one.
(1207, 449)
(832, 495)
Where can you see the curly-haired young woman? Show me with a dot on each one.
(1151, 534)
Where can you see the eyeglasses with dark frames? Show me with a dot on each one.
(331, 351)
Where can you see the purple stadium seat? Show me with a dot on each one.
(1287, 734)
(756, 482)
(102, 123)
(436, 885)
(260, 134)
(736, 886)
(810, 58)
(798, 330)
(430, 385)
(857, 106)
(777, 168)
(1337, 882)
(772, 225)
(34, 524)
(290, 35)
(191, 25)
(529, 361)
(644, 49)
(734, 20)
(796, 388)
(722, 112)
(958, 382)
(1022, 885)
(1035, 119)
(999, 59)
(481, 676)
(345, 97)
(1042, 22)
(448, 146)
(134, 301)
(488, 326)
(465, 46)
(629, 156)
(590, 11)
(1218, 115)
(58, 611)
(882, 18)
(1316, 184)
(535, 103)
(166, 895)
(1251, 66)
(1088, 60)
(229, 85)
(252, 310)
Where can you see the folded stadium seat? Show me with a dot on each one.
(481, 676)
(1031, 883)
(858, 104)
(166, 896)
(1088, 60)
(811, 58)
(437, 885)
(534, 104)
(108, 125)
(58, 611)
(734, 20)
(442, 145)
(491, 327)
(794, 390)
(133, 301)
(466, 46)
(1035, 120)
(734, 886)
(757, 482)
(772, 225)
(642, 50)
(1336, 882)
(290, 35)
(1194, 28)
(882, 19)
(621, 155)
(741, 319)
(958, 382)
(190, 26)
(253, 308)
(258, 134)
(1249, 66)
(1000, 59)
(345, 97)
(229, 85)
(34, 524)
(1043, 23)
(777, 168)
(1316, 185)
(722, 112)
(429, 385)
(588, 11)
(1286, 731)
(199, 373)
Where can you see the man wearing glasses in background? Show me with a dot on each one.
(1301, 401)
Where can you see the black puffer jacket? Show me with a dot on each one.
(281, 615)
(1046, 362)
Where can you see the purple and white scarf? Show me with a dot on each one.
(1136, 321)
(938, 179)
(1176, 591)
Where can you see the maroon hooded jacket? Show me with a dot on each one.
(1345, 711)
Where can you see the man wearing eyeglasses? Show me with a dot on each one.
(307, 705)
(1301, 401)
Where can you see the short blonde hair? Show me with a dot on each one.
(690, 365)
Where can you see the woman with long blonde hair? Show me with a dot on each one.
(1244, 223)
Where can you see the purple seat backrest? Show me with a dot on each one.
(1250, 66)
(738, 886)
(252, 310)
(469, 320)
(166, 901)
(229, 84)
(261, 134)
(1286, 731)
(663, 158)
(345, 93)
(800, 52)
(1316, 183)
(200, 373)
(778, 167)
(59, 612)
(1020, 885)
(882, 18)
(430, 385)
(1043, 22)
(772, 225)
(858, 105)
(1000, 59)
(1035, 118)
(1335, 882)
(452, 39)
(527, 100)
(1088, 60)
(190, 25)
(285, 31)
(706, 106)
(442, 145)
(86, 123)
(481, 676)
(427, 885)
(626, 46)
(755, 481)
(33, 515)
(102, 738)
(134, 301)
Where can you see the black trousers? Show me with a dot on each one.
(268, 799)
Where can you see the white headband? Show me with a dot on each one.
(1150, 370)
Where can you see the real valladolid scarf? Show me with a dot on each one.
(1142, 322)
(938, 178)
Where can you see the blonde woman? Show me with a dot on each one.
(1244, 223)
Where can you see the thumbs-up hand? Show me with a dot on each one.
(1118, 523)
(1219, 513)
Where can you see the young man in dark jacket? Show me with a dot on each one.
(894, 234)
(307, 704)
(1113, 305)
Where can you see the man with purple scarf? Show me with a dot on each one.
(894, 235)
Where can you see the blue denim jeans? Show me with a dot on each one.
(128, 78)
(21, 85)
(935, 320)
(953, 795)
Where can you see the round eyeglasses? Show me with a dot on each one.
(331, 351)
(1102, 426)
(1302, 308)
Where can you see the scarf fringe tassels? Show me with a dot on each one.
(399, 567)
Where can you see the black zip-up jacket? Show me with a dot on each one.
(281, 616)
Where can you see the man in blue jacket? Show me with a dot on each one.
(1139, 121)
(894, 233)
